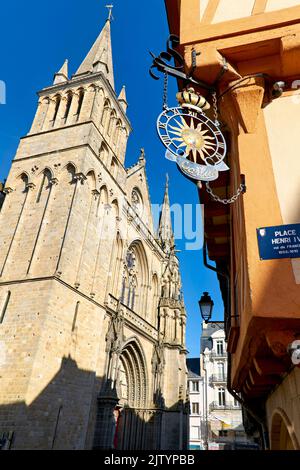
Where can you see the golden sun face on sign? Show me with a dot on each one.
(194, 139)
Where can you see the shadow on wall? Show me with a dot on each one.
(273, 325)
(70, 414)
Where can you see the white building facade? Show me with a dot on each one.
(216, 421)
(196, 395)
(224, 415)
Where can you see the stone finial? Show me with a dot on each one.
(165, 231)
(62, 75)
(122, 99)
(142, 157)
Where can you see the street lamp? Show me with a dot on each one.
(206, 305)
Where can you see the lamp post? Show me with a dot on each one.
(206, 306)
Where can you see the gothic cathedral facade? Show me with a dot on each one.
(92, 320)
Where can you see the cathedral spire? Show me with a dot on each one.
(99, 58)
(165, 231)
(62, 74)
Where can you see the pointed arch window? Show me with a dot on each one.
(57, 103)
(114, 168)
(103, 154)
(137, 280)
(5, 305)
(116, 135)
(80, 101)
(75, 316)
(116, 264)
(125, 289)
(105, 112)
(155, 297)
(112, 122)
(137, 201)
(44, 184)
(68, 106)
(133, 291)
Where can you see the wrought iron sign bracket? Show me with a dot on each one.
(162, 63)
(193, 140)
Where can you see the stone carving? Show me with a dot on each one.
(34, 169)
(80, 177)
(8, 190)
(96, 194)
(53, 181)
(158, 363)
(115, 335)
(171, 284)
(30, 186)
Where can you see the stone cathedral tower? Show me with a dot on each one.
(92, 322)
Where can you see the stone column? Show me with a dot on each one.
(183, 329)
(177, 329)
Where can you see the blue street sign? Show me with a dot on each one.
(279, 242)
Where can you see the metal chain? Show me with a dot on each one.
(231, 200)
(165, 94)
(215, 108)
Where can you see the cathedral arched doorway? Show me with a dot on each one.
(130, 412)
(282, 434)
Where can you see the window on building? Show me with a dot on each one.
(221, 370)
(112, 123)
(4, 308)
(195, 432)
(195, 386)
(80, 102)
(68, 106)
(105, 114)
(221, 396)
(104, 154)
(235, 402)
(223, 433)
(75, 316)
(114, 168)
(57, 103)
(220, 347)
(195, 408)
(44, 184)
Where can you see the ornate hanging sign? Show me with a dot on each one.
(192, 139)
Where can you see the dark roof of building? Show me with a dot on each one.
(192, 375)
(212, 326)
(193, 366)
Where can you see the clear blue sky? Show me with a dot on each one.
(37, 36)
